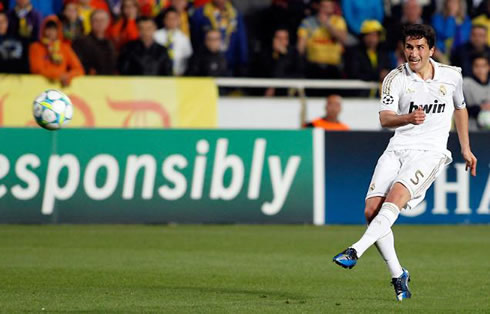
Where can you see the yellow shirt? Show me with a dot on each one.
(321, 47)
(184, 24)
(85, 13)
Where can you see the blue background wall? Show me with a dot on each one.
(350, 158)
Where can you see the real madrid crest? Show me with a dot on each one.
(442, 90)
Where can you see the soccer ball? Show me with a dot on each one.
(52, 109)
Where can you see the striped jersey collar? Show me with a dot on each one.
(415, 77)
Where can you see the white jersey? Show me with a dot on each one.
(404, 91)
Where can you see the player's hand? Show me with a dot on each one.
(470, 161)
(417, 116)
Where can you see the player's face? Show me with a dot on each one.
(417, 53)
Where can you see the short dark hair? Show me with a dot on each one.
(144, 18)
(480, 55)
(169, 10)
(51, 24)
(419, 31)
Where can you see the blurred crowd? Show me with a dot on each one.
(327, 39)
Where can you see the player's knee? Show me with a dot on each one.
(370, 212)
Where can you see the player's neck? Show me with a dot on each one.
(427, 72)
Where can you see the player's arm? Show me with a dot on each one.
(461, 122)
(390, 119)
(393, 87)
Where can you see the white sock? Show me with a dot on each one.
(378, 228)
(386, 247)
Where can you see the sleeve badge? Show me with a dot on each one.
(387, 100)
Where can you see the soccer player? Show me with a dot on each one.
(419, 99)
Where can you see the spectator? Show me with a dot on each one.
(357, 11)
(177, 43)
(72, 24)
(53, 58)
(369, 60)
(144, 56)
(95, 50)
(462, 55)
(280, 14)
(477, 87)
(484, 18)
(320, 39)
(126, 29)
(394, 9)
(279, 61)
(411, 14)
(84, 11)
(13, 50)
(222, 16)
(184, 10)
(330, 122)
(210, 61)
(24, 20)
(182, 7)
(44, 7)
(452, 26)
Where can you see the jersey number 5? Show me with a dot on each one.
(418, 175)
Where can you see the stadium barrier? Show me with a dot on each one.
(117, 102)
(455, 197)
(162, 102)
(161, 176)
(213, 176)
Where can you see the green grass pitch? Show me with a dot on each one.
(236, 269)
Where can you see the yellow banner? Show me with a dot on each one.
(116, 102)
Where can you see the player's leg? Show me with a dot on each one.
(384, 175)
(380, 226)
(386, 244)
(420, 170)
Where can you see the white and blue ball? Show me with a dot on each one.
(52, 109)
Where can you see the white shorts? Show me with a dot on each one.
(415, 169)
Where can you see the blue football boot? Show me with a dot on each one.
(347, 258)
(401, 286)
